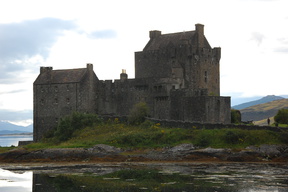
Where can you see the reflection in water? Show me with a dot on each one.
(15, 181)
(165, 177)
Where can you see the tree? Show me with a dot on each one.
(67, 125)
(138, 113)
(281, 116)
(235, 116)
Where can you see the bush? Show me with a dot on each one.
(281, 116)
(138, 113)
(73, 122)
(235, 116)
(232, 137)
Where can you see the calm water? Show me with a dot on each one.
(8, 140)
(148, 177)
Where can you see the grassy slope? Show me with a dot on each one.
(155, 136)
(263, 111)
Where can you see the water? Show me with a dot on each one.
(147, 177)
(8, 140)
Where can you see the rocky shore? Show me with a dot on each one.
(183, 152)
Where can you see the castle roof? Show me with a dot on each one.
(61, 76)
(173, 40)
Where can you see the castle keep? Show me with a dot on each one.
(176, 74)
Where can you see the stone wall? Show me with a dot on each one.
(195, 125)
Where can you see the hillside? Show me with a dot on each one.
(9, 128)
(263, 111)
(266, 99)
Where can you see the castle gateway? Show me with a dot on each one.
(176, 74)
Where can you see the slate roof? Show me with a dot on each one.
(61, 76)
(172, 39)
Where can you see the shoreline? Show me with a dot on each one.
(182, 153)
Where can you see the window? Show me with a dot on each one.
(42, 101)
(68, 101)
(206, 76)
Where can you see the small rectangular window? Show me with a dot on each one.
(205, 76)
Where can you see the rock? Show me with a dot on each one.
(181, 148)
(212, 152)
(245, 156)
(268, 150)
(106, 149)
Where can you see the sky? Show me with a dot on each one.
(252, 34)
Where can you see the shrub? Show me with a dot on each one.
(138, 113)
(73, 122)
(281, 116)
(232, 137)
(235, 116)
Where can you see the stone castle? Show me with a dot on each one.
(176, 74)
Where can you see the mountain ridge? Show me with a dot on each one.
(9, 128)
(264, 110)
(265, 99)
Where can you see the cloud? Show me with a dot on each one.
(15, 116)
(29, 38)
(23, 41)
(257, 37)
(281, 50)
(14, 91)
(103, 34)
(27, 44)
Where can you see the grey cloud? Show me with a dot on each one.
(23, 40)
(283, 45)
(257, 37)
(103, 34)
(14, 91)
(7, 115)
(29, 38)
(281, 49)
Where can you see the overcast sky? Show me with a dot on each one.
(253, 35)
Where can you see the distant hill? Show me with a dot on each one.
(9, 128)
(266, 99)
(263, 111)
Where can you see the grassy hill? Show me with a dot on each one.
(266, 99)
(262, 111)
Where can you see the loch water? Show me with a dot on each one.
(202, 177)
(12, 140)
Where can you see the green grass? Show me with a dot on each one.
(6, 149)
(150, 135)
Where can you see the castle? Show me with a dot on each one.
(176, 74)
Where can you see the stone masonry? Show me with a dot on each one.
(176, 74)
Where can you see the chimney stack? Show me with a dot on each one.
(45, 69)
(154, 34)
(200, 34)
(123, 75)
